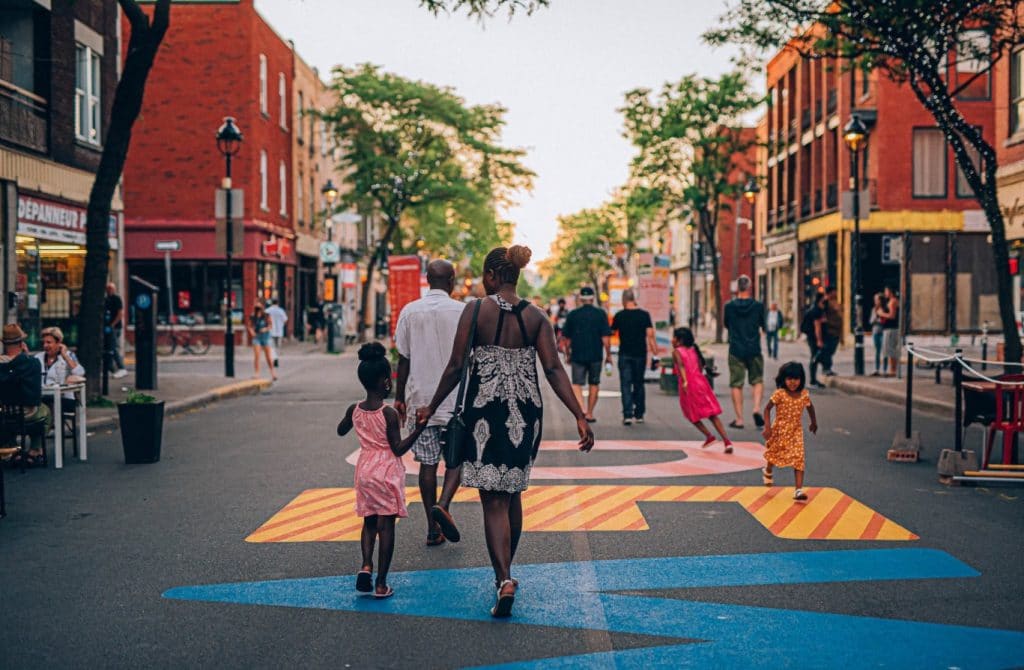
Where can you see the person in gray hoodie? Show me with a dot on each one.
(744, 317)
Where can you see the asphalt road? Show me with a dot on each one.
(91, 555)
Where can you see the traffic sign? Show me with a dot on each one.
(168, 245)
(220, 204)
(330, 253)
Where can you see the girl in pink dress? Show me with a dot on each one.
(380, 475)
(696, 398)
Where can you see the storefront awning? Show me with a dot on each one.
(776, 261)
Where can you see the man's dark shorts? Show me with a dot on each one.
(753, 368)
(586, 373)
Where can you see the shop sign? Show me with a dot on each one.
(403, 284)
(276, 247)
(329, 253)
(349, 276)
(55, 221)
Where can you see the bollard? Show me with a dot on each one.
(910, 389)
(958, 379)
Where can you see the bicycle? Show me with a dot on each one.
(194, 342)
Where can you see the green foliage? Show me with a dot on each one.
(482, 8)
(135, 397)
(583, 249)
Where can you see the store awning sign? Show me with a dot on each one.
(55, 221)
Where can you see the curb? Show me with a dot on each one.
(235, 390)
(891, 396)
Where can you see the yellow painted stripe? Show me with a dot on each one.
(813, 513)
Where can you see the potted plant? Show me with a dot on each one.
(141, 418)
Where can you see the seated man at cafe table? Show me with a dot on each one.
(58, 362)
(21, 377)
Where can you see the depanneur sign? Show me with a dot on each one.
(56, 221)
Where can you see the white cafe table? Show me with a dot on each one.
(57, 393)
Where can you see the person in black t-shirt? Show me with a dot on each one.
(636, 338)
(586, 329)
(113, 323)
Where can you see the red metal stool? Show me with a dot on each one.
(1009, 418)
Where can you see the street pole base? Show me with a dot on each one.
(905, 449)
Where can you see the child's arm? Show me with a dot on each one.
(395, 441)
(346, 423)
(678, 360)
(814, 419)
(767, 432)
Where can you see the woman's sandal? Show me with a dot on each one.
(766, 477)
(443, 519)
(364, 581)
(503, 607)
(435, 538)
(386, 594)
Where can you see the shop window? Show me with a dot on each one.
(929, 266)
(198, 291)
(281, 92)
(929, 163)
(1017, 91)
(323, 138)
(263, 180)
(282, 179)
(298, 119)
(963, 189)
(263, 84)
(87, 95)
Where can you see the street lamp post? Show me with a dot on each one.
(229, 142)
(855, 134)
(330, 193)
(750, 191)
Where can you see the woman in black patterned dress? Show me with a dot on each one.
(503, 409)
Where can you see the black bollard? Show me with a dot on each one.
(958, 379)
(910, 388)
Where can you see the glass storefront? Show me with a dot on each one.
(196, 292)
(49, 284)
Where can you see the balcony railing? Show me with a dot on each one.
(832, 101)
(23, 118)
(817, 110)
(817, 200)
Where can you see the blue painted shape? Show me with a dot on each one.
(580, 596)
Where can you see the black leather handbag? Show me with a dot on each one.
(455, 437)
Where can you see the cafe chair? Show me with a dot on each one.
(979, 408)
(1009, 418)
(5, 454)
(12, 425)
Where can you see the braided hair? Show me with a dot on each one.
(506, 263)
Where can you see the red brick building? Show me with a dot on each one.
(915, 196)
(1008, 91)
(219, 59)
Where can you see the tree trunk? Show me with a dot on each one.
(142, 48)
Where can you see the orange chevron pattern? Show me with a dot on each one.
(328, 515)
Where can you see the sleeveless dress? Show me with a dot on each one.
(380, 475)
(785, 448)
(698, 401)
(503, 410)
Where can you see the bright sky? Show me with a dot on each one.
(561, 73)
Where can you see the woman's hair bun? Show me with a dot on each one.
(372, 351)
(519, 255)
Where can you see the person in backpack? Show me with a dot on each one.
(21, 384)
(772, 323)
(809, 326)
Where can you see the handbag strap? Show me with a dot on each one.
(461, 397)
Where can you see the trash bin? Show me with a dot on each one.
(142, 429)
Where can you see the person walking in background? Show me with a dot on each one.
(810, 326)
(772, 324)
(744, 317)
(380, 474)
(113, 323)
(784, 446)
(877, 331)
(588, 334)
(891, 329)
(259, 334)
(278, 319)
(503, 411)
(636, 342)
(424, 337)
(696, 398)
(829, 330)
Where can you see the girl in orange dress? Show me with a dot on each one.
(785, 436)
(380, 474)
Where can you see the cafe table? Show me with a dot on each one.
(56, 392)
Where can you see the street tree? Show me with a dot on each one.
(688, 139)
(410, 150)
(147, 33)
(915, 42)
(584, 249)
(483, 8)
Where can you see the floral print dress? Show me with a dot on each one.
(785, 448)
(503, 410)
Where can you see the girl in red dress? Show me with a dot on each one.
(380, 474)
(696, 398)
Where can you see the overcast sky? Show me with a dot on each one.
(561, 73)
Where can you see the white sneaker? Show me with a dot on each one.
(799, 495)
(120, 373)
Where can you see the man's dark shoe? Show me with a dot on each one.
(639, 419)
(627, 421)
(758, 420)
(817, 385)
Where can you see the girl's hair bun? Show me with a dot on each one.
(519, 255)
(372, 351)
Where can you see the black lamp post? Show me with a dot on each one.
(330, 193)
(750, 191)
(229, 142)
(855, 134)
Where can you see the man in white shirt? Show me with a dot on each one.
(278, 317)
(424, 337)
